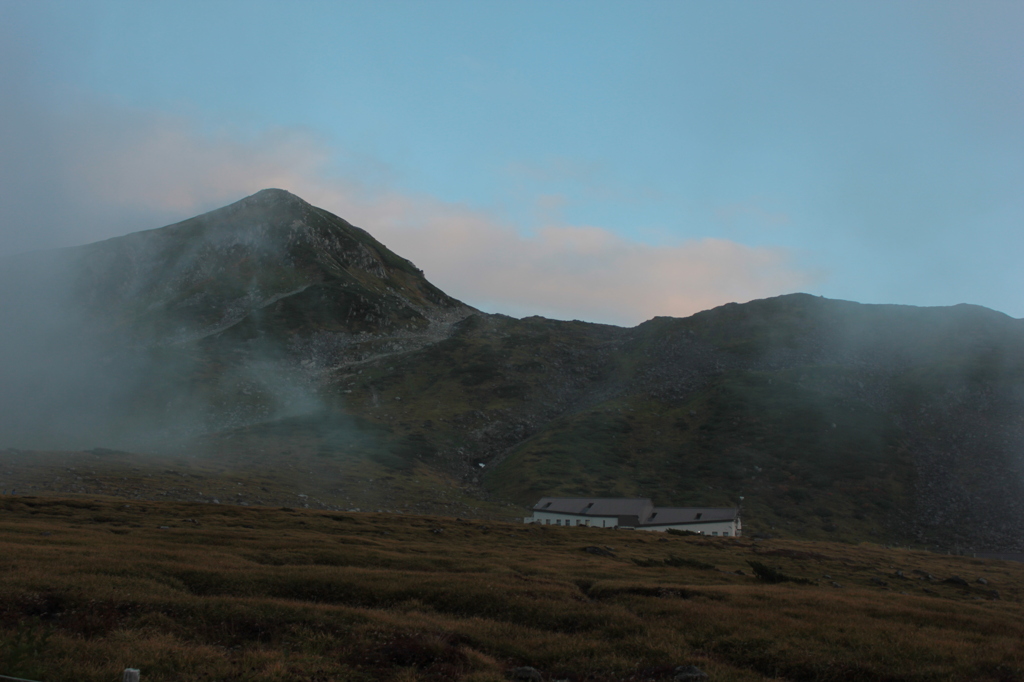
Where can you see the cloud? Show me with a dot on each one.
(90, 170)
(580, 272)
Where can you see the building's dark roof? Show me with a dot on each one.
(638, 510)
(1005, 556)
(663, 516)
(596, 506)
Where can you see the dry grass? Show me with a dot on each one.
(90, 587)
(248, 470)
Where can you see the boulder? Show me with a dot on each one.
(600, 551)
(525, 674)
(689, 673)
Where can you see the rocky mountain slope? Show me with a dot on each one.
(221, 320)
(273, 331)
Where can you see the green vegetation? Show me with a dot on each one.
(273, 332)
(800, 452)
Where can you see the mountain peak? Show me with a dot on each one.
(273, 195)
(267, 207)
(258, 257)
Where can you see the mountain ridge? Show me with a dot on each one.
(306, 340)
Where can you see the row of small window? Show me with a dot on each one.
(569, 522)
(586, 522)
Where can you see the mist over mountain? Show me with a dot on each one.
(271, 326)
(217, 321)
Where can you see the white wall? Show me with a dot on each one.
(723, 528)
(555, 518)
(728, 528)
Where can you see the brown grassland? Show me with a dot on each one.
(186, 591)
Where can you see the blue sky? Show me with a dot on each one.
(607, 161)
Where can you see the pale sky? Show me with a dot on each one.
(607, 161)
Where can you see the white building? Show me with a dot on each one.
(634, 513)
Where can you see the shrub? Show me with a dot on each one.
(767, 574)
(682, 562)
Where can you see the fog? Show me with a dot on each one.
(114, 344)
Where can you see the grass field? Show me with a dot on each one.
(186, 591)
(252, 472)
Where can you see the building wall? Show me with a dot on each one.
(731, 528)
(560, 519)
(725, 528)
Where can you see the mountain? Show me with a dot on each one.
(269, 264)
(274, 335)
(217, 321)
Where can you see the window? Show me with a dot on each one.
(546, 505)
(725, 532)
(603, 523)
(714, 532)
(697, 517)
(652, 516)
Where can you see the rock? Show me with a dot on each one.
(982, 581)
(880, 582)
(600, 551)
(835, 584)
(956, 580)
(899, 574)
(689, 673)
(526, 674)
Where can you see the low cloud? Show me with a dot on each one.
(575, 272)
(91, 171)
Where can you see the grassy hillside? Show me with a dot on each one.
(887, 441)
(835, 472)
(252, 473)
(274, 337)
(830, 420)
(214, 592)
